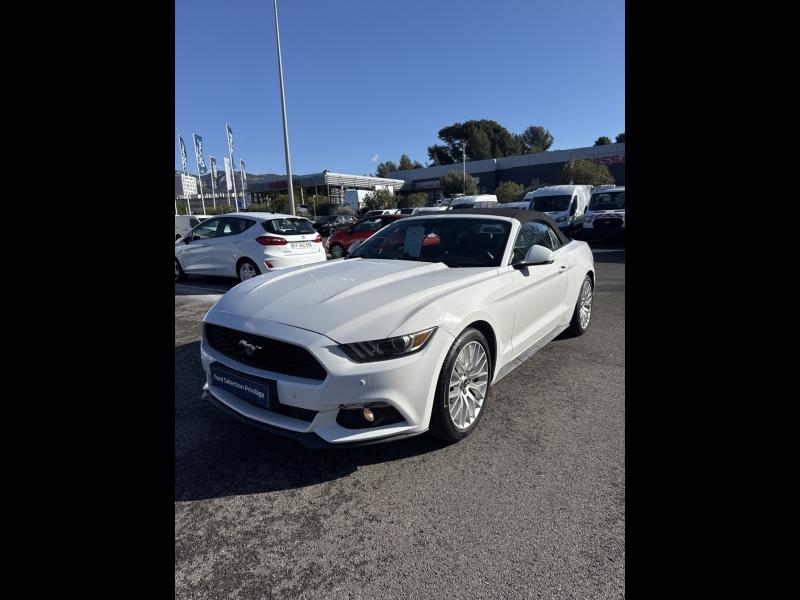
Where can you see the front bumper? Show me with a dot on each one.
(407, 384)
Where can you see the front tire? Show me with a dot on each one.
(463, 387)
(583, 309)
(179, 274)
(337, 251)
(247, 269)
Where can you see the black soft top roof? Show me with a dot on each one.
(523, 216)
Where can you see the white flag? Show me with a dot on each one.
(244, 175)
(228, 175)
(198, 151)
(230, 139)
(183, 152)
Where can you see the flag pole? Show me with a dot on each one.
(229, 136)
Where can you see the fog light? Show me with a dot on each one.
(368, 416)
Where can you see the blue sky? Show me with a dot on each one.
(367, 78)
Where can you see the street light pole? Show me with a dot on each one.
(289, 182)
(464, 158)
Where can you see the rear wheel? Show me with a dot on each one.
(247, 270)
(583, 309)
(463, 387)
(337, 251)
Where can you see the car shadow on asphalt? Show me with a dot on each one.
(610, 256)
(218, 456)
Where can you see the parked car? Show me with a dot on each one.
(565, 203)
(340, 240)
(606, 213)
(479, 201)
(325, 224)
(244, 245)
(402, 337)
(184, 223)
(377, 212)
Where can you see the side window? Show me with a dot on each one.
(206, 230)
(371, 225)
(554, 239)
(235, 226)
(532, 232)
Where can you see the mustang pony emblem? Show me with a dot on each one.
(248, 347)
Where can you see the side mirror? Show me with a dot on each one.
(536, 255)
(354, 246)
(187, 239)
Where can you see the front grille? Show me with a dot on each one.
(273, 355)
(608, 223)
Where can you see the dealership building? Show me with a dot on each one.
(330, 184)
(529, 170)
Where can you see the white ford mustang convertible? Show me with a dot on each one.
(404, 336)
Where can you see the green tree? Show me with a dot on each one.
(620, 138)
(384, 168)
(536, 139)
(452, 183)
(319, 203)
(508, 191)
(413, 200)
(602, 140)
(439, 155)
(405, 163)
(586, 172)
(484, 139)
(279, 203)
(380, 199)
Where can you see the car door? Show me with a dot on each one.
(537, 292)
(197, 253)
(230, 244)
(364, 229)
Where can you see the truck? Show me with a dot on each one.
(565, 203)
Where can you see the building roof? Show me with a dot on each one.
(509, 162)
(328, 178)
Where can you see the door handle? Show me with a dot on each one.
(563, 267)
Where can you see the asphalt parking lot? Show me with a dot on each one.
(531, 505)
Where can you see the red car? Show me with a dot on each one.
(340, 240)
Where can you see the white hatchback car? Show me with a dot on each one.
(247, 244)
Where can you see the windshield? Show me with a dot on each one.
(558, 203)
(288, 226)
(456, 242)
(327, 219)
(608, 201)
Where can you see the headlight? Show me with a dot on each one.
(561, 219)
(388, 348)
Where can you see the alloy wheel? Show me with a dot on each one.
(469, 380)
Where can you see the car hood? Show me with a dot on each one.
(347, 300)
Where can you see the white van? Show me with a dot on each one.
(479, 201)
(185, 223)
(606, 212)
(565, 203)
